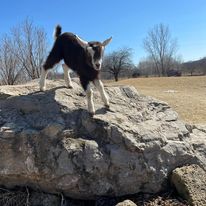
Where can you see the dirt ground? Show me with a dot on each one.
(186, 95)
(28, 197)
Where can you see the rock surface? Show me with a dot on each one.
(190, 182)
(48, 141)
(41, 199)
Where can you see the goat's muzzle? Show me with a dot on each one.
(98, 66)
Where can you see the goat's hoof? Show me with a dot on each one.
(91, 114)
(106, 106)
(42, 89)
(69, 86)
(91, 111)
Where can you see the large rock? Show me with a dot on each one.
(49, 141)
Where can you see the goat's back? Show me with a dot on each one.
(67, 47)
(75, 56)
(70, 50)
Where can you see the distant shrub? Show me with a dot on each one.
(174, 73)
(136, 74)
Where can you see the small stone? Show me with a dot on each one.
(190, 182)
(53, 129)
(126, 203)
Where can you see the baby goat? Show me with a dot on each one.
(85, 58)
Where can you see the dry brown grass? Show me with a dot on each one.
(186, 95)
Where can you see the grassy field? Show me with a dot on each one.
(186, 95)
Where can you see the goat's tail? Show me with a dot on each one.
(57, 32)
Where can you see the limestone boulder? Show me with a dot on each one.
(48, 141)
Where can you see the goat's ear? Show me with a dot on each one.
(107, 41)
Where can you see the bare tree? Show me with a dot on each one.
(10, 69)
(147, 67)
(161, 48)
(117, 62)
(22, 53)
(30, 48)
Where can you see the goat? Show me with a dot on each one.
(85, 58)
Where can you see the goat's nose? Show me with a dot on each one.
(98, 65)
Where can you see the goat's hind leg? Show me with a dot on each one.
(49, 64)
(42, 82)
(67, 77)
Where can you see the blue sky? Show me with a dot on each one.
(128, 21)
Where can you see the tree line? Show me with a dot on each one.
(22, 53)
(24, 49)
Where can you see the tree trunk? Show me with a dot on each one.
(116, 77)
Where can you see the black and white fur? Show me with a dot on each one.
(85, 58)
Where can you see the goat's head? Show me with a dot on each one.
(94, 51)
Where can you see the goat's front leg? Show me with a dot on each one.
(42, 82)
(99, 85)
(89, 94)
(67, 77)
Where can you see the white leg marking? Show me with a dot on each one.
(42, 82)
(67, 77)
(89, 94)
(99, 85)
